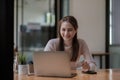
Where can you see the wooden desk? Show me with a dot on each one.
(100, 54)
(102, 74)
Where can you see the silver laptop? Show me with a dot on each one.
(52, 64)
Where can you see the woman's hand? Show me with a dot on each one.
(85, 66)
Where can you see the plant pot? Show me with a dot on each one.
(22, 69)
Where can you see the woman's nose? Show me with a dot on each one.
(66, 33)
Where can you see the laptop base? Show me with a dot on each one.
(72, 75)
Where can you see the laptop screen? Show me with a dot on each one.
(48, 63)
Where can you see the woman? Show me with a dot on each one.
(68, 41)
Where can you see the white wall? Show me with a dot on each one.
(91, 19)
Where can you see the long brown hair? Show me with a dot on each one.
(75, 44)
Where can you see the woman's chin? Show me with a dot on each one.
(67, 39)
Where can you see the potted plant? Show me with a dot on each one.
(22, 59)
(22, 64)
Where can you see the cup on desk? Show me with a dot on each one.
(30, 69)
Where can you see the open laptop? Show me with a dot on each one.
(52, 64)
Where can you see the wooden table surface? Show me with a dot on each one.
(102, 74)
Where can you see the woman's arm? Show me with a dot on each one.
(88, 63)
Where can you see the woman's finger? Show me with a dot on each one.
(85, 65)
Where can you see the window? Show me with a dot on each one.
(35, 22)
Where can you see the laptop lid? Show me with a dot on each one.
(48, 63)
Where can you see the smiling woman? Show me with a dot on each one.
(68, 42)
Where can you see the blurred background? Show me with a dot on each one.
(35, 22)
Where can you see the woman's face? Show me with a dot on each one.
(67, 31)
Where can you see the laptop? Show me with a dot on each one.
(52, 64)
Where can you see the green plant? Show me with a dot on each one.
(22, 59)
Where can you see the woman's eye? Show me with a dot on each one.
(67, 30)
(63, 29)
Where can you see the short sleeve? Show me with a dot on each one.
(84, 50)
